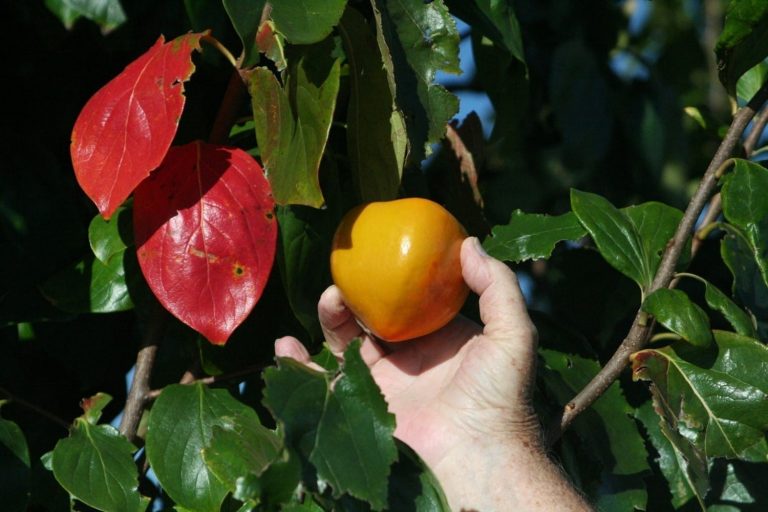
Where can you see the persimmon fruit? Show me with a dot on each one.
(397, 265)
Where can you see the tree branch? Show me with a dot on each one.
(136, 401)
(32, 407)
(639, 333)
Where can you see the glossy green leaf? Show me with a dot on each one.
(532, 236)
(743, 41)
(245, 16)
(740, 486)
(90, 286)
(108, 14)
(750, 82)
(279, 481)
(422, 39)
(14, 467)
(292, 123)
(716, 401)
(495, 20)
(95, 463)
(296, 396)
(374, 127)
(656, 224)
(675, 311)
(745, 202)
(356, 418)
(719, 301)
(745, 205)
(748, 286)
(240, 448)
(303, 256)
(110, 238)
(307, 21)
(684, 467)
(412, 486)
(607, 428)
(615, 235)
(180, 426)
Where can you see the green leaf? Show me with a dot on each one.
(374, 127)
(355, 445)
(280, 480)
(108, 14)
(745, 202)
(750, 82)
(656, 224)
(14, 467)
(95, 463)
(412, 486)
(745, 205)
(615, 235)
(296, 396)
(292, 123)
(607, 428)
(422, 39)
(110, 238)
(180, 425)
(245, 16)
(717, 401)
(675, 311)
(532, 236)
(240, 447)
(740, 485)
(748, 286)
(743, 42)
(307, 21)
(303, 256)
(495, 20)
(719, 301)
(684, 468)
(90, 286)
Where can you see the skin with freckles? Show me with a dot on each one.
(462, 395)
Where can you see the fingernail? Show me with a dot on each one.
(478, 246)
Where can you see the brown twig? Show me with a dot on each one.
(639, 333)
(35, 408)
(136, 401)
(244, 372)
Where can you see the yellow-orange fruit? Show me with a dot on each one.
(398, 268)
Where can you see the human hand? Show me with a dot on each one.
(461, 395)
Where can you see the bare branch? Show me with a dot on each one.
(136, 401)
(641, 328)
(35, 408)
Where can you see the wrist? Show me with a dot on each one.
(490, 474)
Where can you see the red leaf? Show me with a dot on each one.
(206, 234)
(126, 128)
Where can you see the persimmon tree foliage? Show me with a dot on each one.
(176, 173)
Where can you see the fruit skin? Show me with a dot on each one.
(398, 267)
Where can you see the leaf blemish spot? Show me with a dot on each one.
(212, 258)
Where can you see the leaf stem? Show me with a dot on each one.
(638, 334)
(664, 336)
(34, 408)
(137, 401)
(208, 38)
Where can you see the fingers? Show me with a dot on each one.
(288, 346)
(340, 327)
(502, 306)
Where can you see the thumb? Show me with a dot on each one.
(502, 306)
